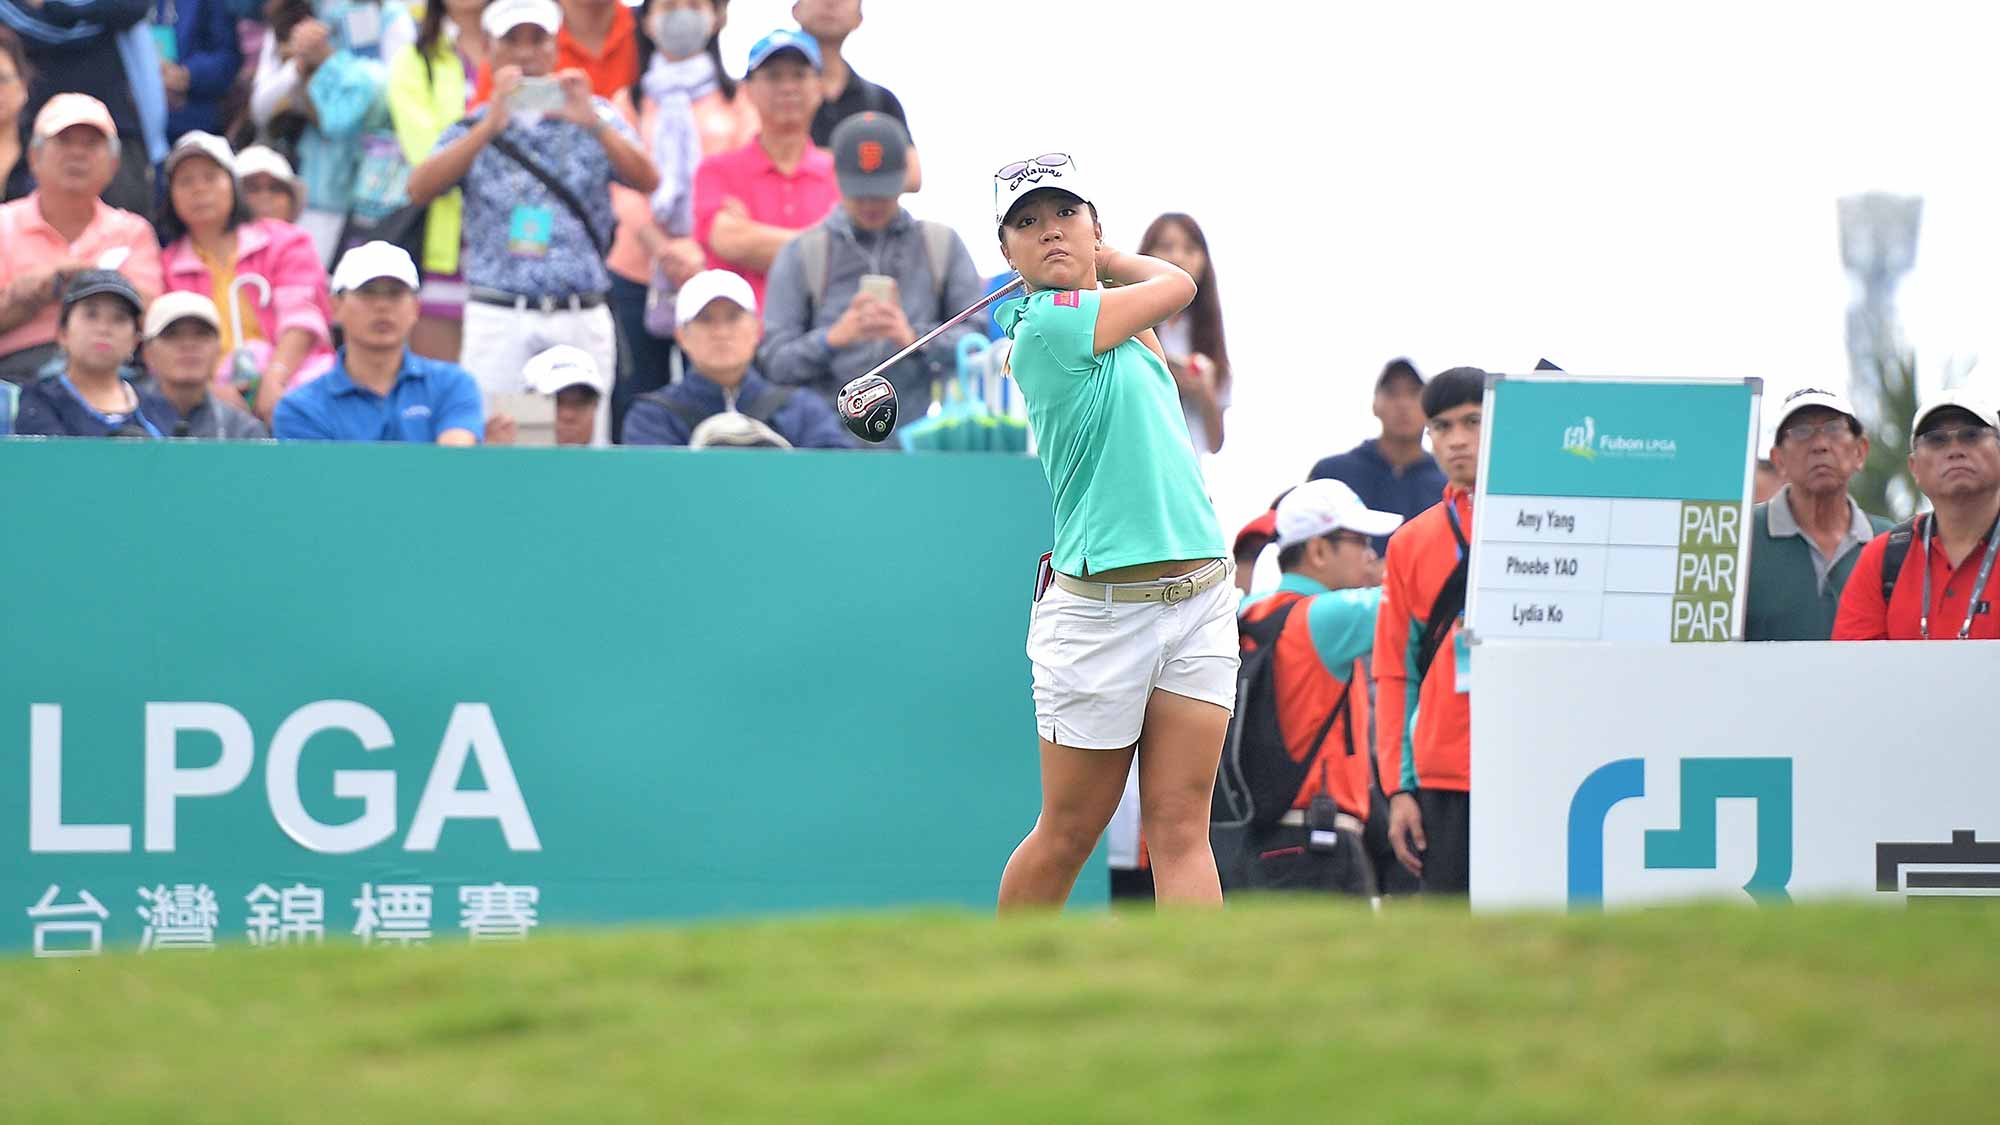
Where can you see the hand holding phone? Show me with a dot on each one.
(879, 286)
(537, 94)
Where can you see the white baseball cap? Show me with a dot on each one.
(371, 260)
(564, 365)
(1019, 179)
(503, 16)
(199, 143)
(180, 305)
(710, 285)
(1813, 396)
(260, 160)
(65, 110)
(1964, 398)
(1321, 507)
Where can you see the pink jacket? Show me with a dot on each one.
(283, 255)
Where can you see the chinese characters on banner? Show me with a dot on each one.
(189, 916)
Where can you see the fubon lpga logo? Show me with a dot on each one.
(1583, 440)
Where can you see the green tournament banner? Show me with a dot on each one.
(1612, 509)
(408, 695)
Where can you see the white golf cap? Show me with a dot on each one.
(371, 260)
(1321, 507)
(65, 110)
(564, 365)
(503, 16)
(1019, 179)
(259, 160)
(711, 285)
(199, 143)
(1813, 396)
(180, 305)
(1964, 398)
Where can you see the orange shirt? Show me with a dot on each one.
(1308, 691)
(1423, 733)
(612, 68)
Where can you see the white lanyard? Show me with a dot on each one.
(1978, 585)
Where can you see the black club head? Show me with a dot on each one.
(867, 406)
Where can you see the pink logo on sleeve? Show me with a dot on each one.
(1069, 299)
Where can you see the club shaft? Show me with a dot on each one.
(954, 322)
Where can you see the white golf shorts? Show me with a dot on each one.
(1097, 663)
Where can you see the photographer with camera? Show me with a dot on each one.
(1294, 775)
(536, 163)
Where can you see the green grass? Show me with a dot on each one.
(1268, 1014)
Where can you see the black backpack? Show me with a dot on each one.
(1894, 554)
(1258, 780)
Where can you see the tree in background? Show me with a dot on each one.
(1884, 485)
(1878, 245)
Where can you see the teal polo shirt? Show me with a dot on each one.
(1111, 437)
(429, 397)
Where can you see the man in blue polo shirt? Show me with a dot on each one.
(377, 389)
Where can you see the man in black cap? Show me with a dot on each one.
(867, 280)
(1391, 473)
(97, 330)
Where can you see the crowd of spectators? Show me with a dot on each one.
(565, 221)
(581, 178)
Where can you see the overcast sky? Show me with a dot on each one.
(1626, 190)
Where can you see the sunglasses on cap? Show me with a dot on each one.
(1035, 169)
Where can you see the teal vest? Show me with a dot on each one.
(1784, 601)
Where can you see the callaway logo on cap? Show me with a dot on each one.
(1018, 180)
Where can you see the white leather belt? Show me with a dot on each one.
(1172, 591)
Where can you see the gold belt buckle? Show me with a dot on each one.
(1179, 591)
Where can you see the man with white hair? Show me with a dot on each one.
(62, 228)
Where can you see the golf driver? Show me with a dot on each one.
(867, 406)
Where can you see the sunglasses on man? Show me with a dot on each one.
(1944, 437)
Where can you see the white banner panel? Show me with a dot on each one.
(1618, 774)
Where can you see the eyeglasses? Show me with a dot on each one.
(1806, 431)
(1350, 538)
(1942, 439)
(1048, 162)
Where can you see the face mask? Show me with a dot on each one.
(681, 33)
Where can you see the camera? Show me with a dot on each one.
(1321, 834)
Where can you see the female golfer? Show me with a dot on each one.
(1134, 641)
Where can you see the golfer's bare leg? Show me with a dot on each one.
(1178, 752)
(1080, 791)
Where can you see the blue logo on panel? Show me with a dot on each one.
(1704, 782)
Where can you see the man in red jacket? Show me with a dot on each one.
(1425, 764)
(1943, 586)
